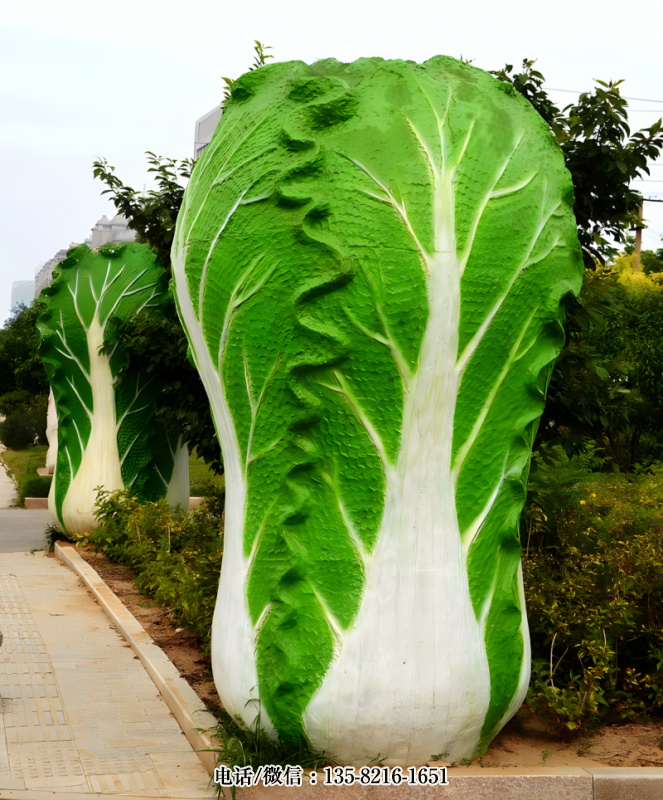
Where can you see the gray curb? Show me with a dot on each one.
(476, 783)
(184, 704)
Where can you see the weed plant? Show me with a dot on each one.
(241, 746)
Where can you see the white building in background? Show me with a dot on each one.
(114, 230)
(205, 128)
(105, 231)
(22, 292)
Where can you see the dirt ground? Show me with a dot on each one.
(524, 742)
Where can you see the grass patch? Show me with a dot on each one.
(199, 475)
(22, 462)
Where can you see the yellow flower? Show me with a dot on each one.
(582, 502)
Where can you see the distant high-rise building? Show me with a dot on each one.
(22, 292)
(44, 275)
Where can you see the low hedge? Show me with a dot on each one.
(176, 555)
(32, 485)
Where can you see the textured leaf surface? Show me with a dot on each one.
(89, 289)
(369, 261)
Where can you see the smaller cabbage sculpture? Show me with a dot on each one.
(107, 434)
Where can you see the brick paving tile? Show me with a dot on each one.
(79, 714)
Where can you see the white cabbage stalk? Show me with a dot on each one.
(51, 434)
(100, 464)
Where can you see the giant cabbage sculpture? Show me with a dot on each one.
(371, 262)
(107, 435)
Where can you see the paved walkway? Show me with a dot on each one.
(21, 530)
(7, 487)
(80, 715)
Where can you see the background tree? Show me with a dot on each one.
(601, 154)
(23, 382)
(594, 391)
(651, 260)
(156, 343)
(634, 335)
(590, 394)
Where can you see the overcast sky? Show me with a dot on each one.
(82, 79)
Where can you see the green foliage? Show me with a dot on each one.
(155, 344)
(23, 465)
(17, 400)
(634, 431)
(601, 154)
(587, 386)
(199, 475)
(214, 492)
(594, 588)
(176, 555)
(652, 261)
(607, 384)
(23, 382)
(152, 215)
(529, 83)
(20, 365)
(53, 534)
(261, 56)
(22, 462)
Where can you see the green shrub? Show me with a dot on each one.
(32, 485)
(594, 594)
(176, 555)
(214, 492)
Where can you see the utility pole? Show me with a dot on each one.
(638, 231)
(638, 239)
